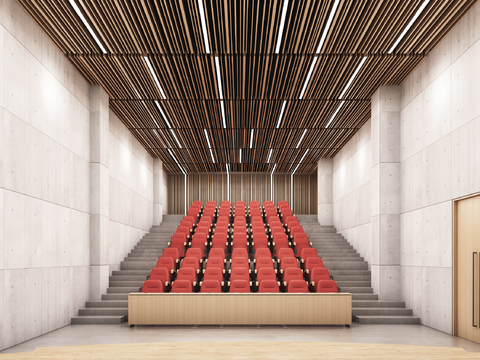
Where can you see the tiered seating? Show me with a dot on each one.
(244, 250)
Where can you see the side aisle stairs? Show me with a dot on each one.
(113, 308)
(351, 273)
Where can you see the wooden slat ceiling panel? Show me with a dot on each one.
(255, 79)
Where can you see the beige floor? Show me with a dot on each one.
(356, 340)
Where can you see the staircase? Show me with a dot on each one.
(113, 308)
(350, 271)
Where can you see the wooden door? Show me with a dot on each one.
(466, 268)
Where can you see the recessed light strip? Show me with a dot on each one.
(87, 25)
(175, 136)
(327, 27)
(281, 114)
(219, 80)
(163, 114)
(240, 155)
(300, 162)
(223, 114)
(353, 77)
(174, 158)
(334, 114)
(304, 131)
(251, 138)
(154, 76)
(269, 156)
(417, 14)
(204, 25)
(274, 166)
(209, 146)
(282, 24)
(308, 77)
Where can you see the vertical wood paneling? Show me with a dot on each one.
(244, 187)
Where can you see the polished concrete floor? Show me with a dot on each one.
(115, 334)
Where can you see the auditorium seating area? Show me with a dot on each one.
(244, 249)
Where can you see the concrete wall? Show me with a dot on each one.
(351, 192)
(50, 189)
(440, 161)
(44, 182)
(131, 191)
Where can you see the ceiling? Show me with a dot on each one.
(255, 80)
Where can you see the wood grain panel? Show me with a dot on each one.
(239, 309)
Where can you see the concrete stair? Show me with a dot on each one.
(351, 273)
(113, 308)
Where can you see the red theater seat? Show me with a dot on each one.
(161, 274)
(211, 286)
(239, 252)
(187, 273)
(219, 240)
(240, 262)
(311, 263)
(183, 230)
(263, 252)
(292, 273)
(319, 274)
(308, 252)
(166, 262)
(268, 286)
(239, 273)
(327, 286)
(215, 262)
(266, 273)
(288, 262)
(172, 253)
(297, 286)
(217, 252)
(240, 286)
(285, 252)
(196, 253)
(264, 262)
(213, 273)
(191, 262)
(152, 286)
(181, 286)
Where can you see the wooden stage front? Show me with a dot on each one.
(239, 309)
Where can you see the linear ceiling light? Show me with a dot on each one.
(353, 76)
(274, 166)
(175, 136)
(281, 114)
(304, 131)
(90, 30)
(163, 114)
(282, 24)
(308, 77)
(209, 146)
(327, 26)
(300, 162)
(334, 114)
(220, 90)
(417, 14)
(154, 76)
(171, 154)
(269, 155)
(226, 165)
(204, 25)
(240, 155)
(251, 138)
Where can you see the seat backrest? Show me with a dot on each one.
(288, 262)
(292, 273)
(296, 230)
(277, 229)
(152, 286)
(282, 202)
(280, 238)
(266, 273)
(171, 252)
(301, 238)
(194, 252)
(286, 212)
(160, 273)
(189, 218)
(187, 273)
(240, 238)
(187, 223)
(183, 230)
(308, 252)
(313, 262)
(197, 203)
(239, 286)
(240, 262)
(179, 238)
(217, 252)
(166, 262)
(223, 218)
(285, 252)
(297, 286)
(326, 286)
(264, 262)
(211, 286)
(240, 252)
(193, 212)
(239, 273)
(191, 262)
(215, 262)
(213, 273)
(268, 286)
(256, 218)
(319, 274)
(181, 286)
(263, 252)
(199, 237)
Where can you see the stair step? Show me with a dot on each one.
(127, 278)
(385, 319)
(123, 290)
(99, 319)
(141, 253)
(131, 272)
(115, 296)
(356, 290)
(364, 296)
(103, 311)
(348, 278)
(377, 304)
(127, 283)
(343, 283)
(346, 265)
(142, 258)
(382, 311)
(137, 265)
(107, 304)
(341, 258)
(350, 272)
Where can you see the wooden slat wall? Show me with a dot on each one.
(245, 187)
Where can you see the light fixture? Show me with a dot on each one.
(175, 136)
(300, 162)
(226, 165)
(282, 24)
(209, 146)
(281, 114)
(271, 182)
(327, 26)
(251, 138)
(228, 183)
(269, 156)
(304, 131)
(154, 76)
(240, 155)
(417, 14)
(308, 77)
(220, 90)
(223, 114)
(334, 114)
(204, 25)
(274, 166)
(174, 158)
(87, 25)
(353, 76)
(163, 115)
